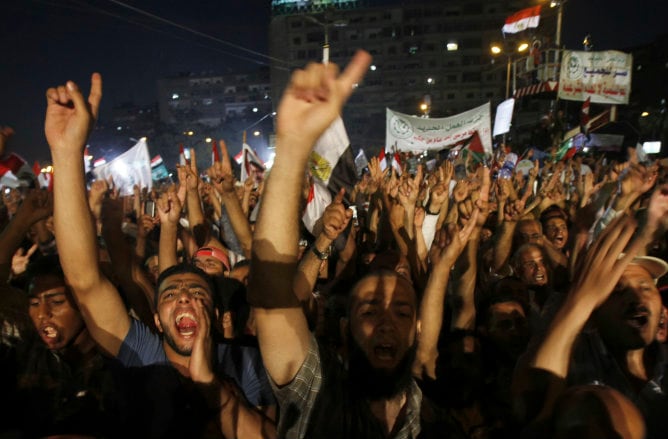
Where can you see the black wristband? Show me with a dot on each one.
(321, 255)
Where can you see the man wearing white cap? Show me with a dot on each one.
(605, 331)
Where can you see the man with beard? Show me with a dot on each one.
(318, 396)
(189, 395)
(605, 331)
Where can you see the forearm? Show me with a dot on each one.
(309, 268)
(276, 238)
(503, 245)
(554, 352)
(140, 247)
(79, 257)
(239, 222)
(167, 246)
(194, 206)
(464, 285)
(431, 318)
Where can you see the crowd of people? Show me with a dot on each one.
(453, 304)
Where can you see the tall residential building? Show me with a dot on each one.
(210, 100)
(434, 53)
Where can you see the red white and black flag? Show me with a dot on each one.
(15, 172)
(522, 20)
(332, 165)
(251, 164)
(584, 113)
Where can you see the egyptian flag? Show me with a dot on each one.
(183, 159)
(158, 169)
(45, 179)
(396, 164)
(215, 153)
(15, 172)
(318, 199)
(87, 160)
(251, 164)
(382, 160)
(584, 116)
(521, 20)
(332, 165)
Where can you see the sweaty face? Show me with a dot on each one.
(185, 306)
(556, 231)
(383, 319)
(210, 265)
(629, 319)
(55, 317)
(532, 270)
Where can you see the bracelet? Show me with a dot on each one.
(321, 255)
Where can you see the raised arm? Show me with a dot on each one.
(69, 120)
(446, 248)
(334, 221)
(311, 102)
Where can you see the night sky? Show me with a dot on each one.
(46, 42)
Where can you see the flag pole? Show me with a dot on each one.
(243, 137)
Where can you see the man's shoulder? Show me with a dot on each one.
(141, 346)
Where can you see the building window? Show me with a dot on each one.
(297, 41)
(471, 77)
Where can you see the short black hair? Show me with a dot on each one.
(182, 268)
(43, 266)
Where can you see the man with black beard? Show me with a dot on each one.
(374, 397)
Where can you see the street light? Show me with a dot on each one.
(326, 25)
(497, 49)
(560, 13)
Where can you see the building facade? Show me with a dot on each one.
(430, 59)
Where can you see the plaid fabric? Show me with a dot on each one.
(300, 395)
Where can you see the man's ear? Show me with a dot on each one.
(156, 319)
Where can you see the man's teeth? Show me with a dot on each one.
(50, 332)
(180, 317)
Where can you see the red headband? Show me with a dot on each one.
(216, 253)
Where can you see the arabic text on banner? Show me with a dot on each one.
(413, 133)
(605, 76)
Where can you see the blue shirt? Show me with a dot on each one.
(243, 364)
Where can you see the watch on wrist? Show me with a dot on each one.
(321, 255)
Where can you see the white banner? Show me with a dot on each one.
(504, 115)
(605, 77)
(413, 133)
(133, 167)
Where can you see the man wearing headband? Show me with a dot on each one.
(213, 261)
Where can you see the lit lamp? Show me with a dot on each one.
(497, 49)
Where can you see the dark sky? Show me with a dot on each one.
(46, 42)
